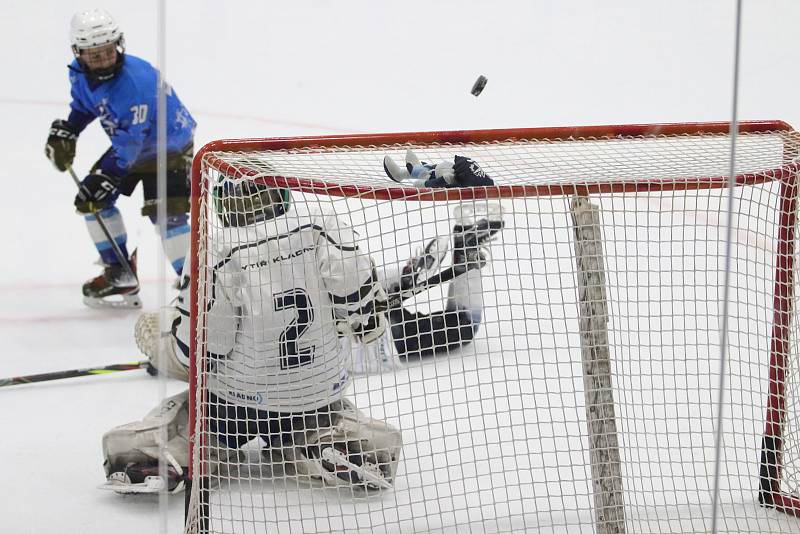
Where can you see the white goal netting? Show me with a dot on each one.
(564, 380)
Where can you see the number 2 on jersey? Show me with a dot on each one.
(292, 355)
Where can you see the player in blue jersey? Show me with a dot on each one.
(121, 91)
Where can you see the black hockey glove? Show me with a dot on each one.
(367, 328)
(60, 147)
(469, 173)
(95, 192)
(465, 173)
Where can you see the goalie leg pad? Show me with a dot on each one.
(356, 451)
(131, 451)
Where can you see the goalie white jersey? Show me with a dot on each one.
(276, 291)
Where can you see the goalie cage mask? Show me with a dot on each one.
(245, 202)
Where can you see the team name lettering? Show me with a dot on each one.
(264, 263)
(248, 397)
(292, 255)
(257, 265)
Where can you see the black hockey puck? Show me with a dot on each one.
(479, 84)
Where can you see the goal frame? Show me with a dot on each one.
(770, 494)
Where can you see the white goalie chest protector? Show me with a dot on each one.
(269, 286)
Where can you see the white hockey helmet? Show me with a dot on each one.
(92, 29)
(95, 27)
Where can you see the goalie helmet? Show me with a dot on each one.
(97, 43)
(245, 202)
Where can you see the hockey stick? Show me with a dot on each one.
(58, 375)
(396, 299)
(117, 251)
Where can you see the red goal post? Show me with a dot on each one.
(659, 168)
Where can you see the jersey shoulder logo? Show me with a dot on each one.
(183, 118)
(107, 119)
(476, 170)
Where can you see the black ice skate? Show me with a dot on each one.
(476, 227)
(114, 288)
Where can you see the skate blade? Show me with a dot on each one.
(150, 486)
(338, 459)
(127, 302)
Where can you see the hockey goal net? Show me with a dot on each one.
(587, 400)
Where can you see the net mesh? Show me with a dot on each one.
(470, 412)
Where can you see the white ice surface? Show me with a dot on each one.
(280, 68)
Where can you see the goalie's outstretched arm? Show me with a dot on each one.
(348, 273)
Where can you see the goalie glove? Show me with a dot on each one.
(60, 146)
(369, 328)
(367, 332)
(468, 174)
(95, 193)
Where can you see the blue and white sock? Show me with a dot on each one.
(116, 227)
(176, 241)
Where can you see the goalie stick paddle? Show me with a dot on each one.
(395, 299)
(58, 375)
(117, 252)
